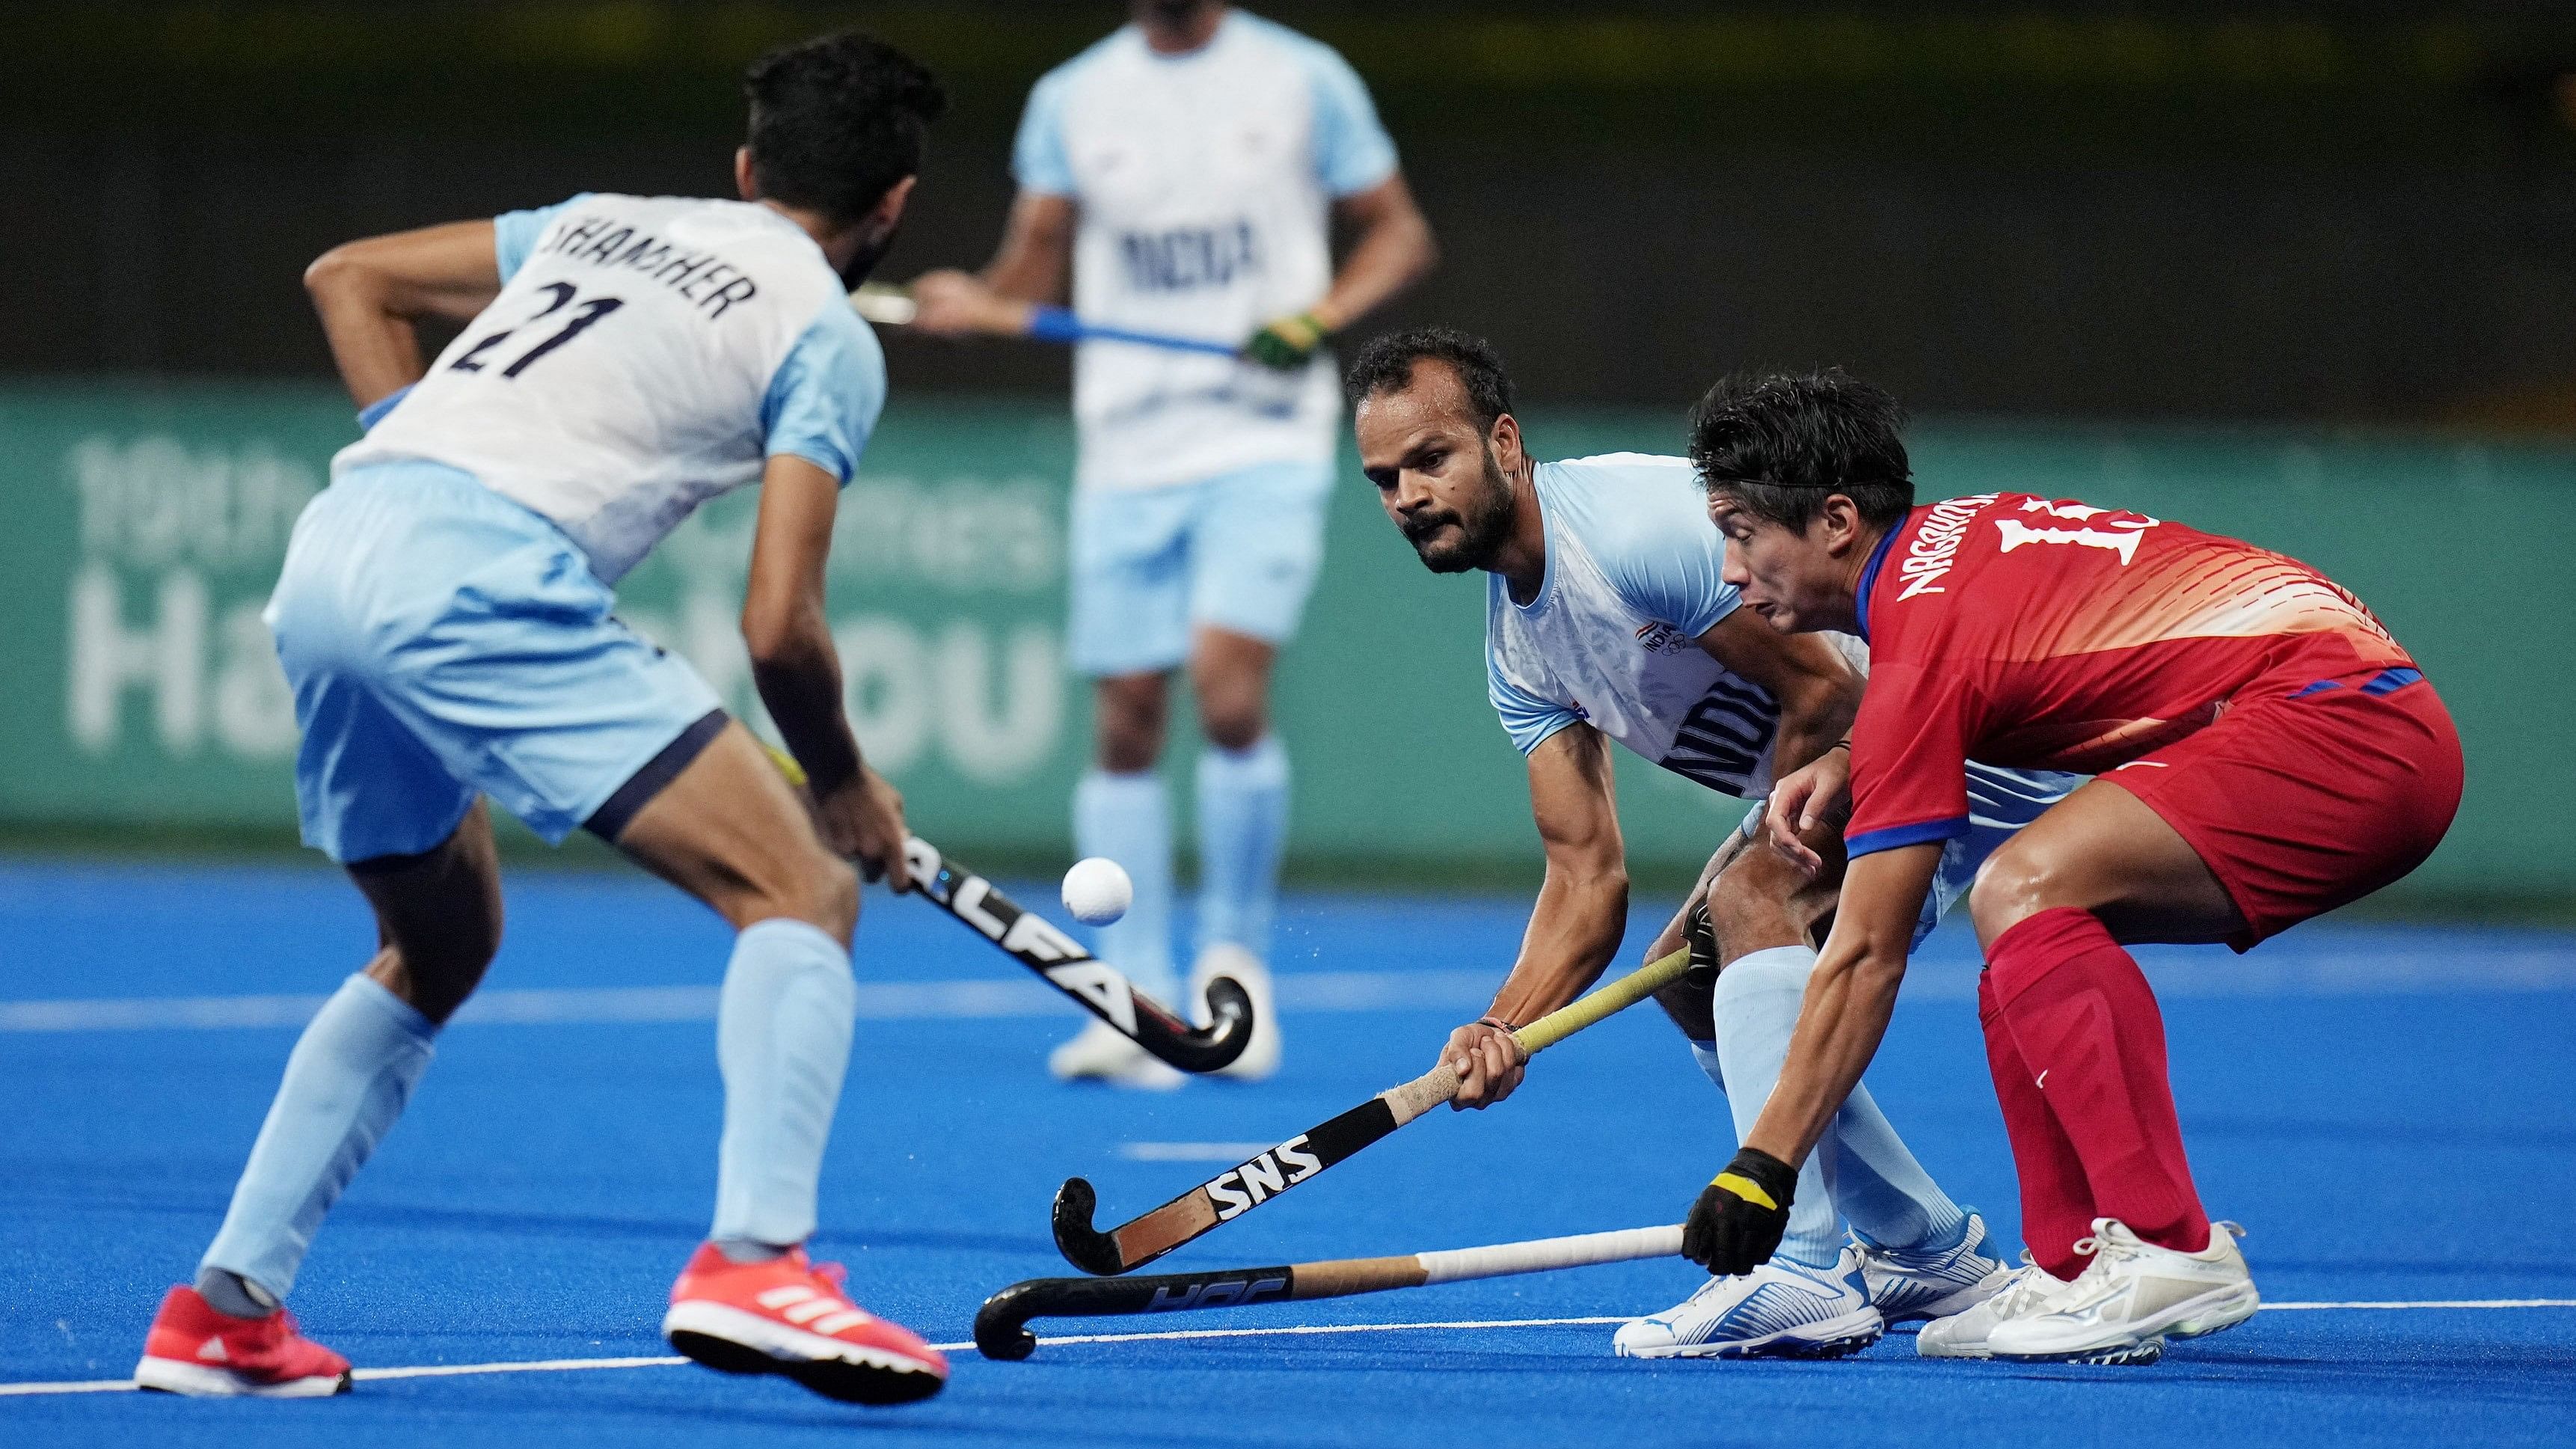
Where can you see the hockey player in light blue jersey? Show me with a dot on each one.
(444, 618)
(1188, 171)
(1606, 619)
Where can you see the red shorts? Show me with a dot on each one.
(2303, 802)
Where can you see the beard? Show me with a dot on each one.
(865, 259)
(1483, 525)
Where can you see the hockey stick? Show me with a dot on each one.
(1034, 942)
(894, 307)
(1001, 1330)
(1246, 1186)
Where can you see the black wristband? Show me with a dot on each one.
(1776, 1179)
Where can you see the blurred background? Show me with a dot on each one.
(2303, 273)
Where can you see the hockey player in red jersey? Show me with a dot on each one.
(2266, 752)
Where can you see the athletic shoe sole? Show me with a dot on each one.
(731, 1341)
(203, 1381)
(1833, 1338)
(2213, 1312)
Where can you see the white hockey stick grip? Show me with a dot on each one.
(1542, 1255)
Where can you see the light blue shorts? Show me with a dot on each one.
(2000, 802)
(1238, 551)
(443, 641)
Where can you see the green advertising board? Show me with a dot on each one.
(148, 525)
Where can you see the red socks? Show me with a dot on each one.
(2056, 1200)
(2077, 1048)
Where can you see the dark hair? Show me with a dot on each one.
(1386, 365)
(836, 121)
(1780, 445)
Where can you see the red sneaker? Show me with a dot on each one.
(198, 1350)
(792, 1317)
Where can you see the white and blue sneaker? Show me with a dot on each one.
(1910, 1286)
(1779, 1310)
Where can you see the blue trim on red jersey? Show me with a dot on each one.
(1870, 842)
(2317, 688)
(1869, 581)
(2389, 681)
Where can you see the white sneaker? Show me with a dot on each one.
(2024, 1290)
(2132, 1297)
(1779, 1310)
(1261, 1056)
(1100, 1053)
(1910, 1286)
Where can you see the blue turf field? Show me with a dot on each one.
(2383, 1107)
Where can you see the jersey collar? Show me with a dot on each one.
(1869, 575)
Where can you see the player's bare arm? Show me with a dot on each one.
(1575, 927)
(1391, 249)
(798, 671)
(1818, 690)
(373, 294)
(1029, 268)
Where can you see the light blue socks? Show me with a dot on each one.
(1862, 1170)
(783, 1040)
(1127, 818)
(346, 1082)
(1243, 825)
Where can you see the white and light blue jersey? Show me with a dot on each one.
(1612, 636)
(1203, 186)
(645, 354)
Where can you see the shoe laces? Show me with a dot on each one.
(835, 1275)
(2029, 1281)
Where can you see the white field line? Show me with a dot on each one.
(1934, 979)
(573, 1365)
(1309, 991)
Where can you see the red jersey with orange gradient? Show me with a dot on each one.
(2053, 635)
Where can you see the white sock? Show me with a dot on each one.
(783, 1040)
(1128, 819)
(1243, 826)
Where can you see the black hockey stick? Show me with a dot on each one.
(1001, 1324)
(1035, 942)
(1247, 1185)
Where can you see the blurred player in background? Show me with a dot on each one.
(444, 619)
(1189, 169)
(2267, 752)
(1607, 618)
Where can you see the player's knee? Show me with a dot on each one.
(2014, 884)
(1236, 724)
(1127, 722)
(831, 897)
(1747, 904)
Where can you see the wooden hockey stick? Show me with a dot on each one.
(1246, 1186)
(1001, 1330)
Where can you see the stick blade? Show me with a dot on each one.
(1082, 1245)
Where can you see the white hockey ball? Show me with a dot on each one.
(1098, 891)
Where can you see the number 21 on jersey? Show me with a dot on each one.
(564, 293)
